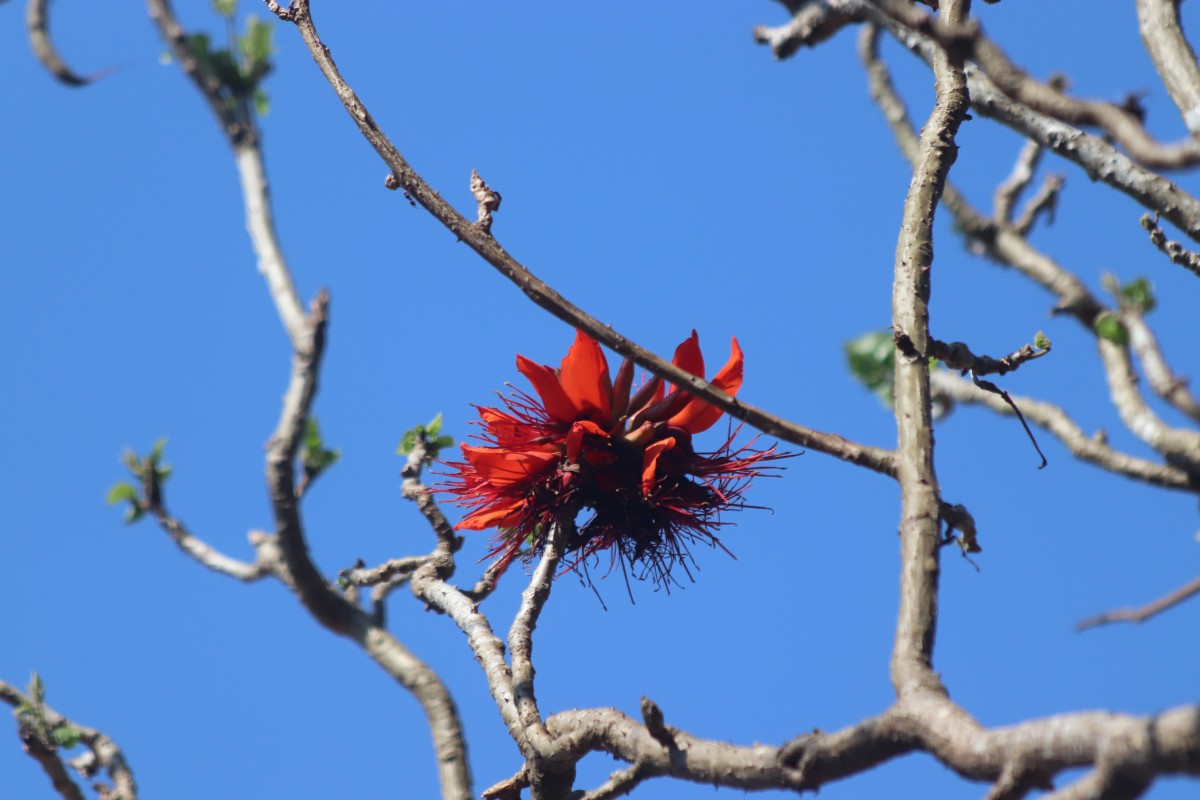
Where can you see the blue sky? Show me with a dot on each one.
(661, 171)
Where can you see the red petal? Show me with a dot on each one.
(584, 376)
(501, 468)
(575, 437)
(558, 404)
(688, 356)
(699, 416)
(650, 462)
(503, 516)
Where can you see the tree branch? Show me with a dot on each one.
(967, 41)
(1162, 379)
(403, 176)
(1100, 160)
(920, 536)
(1173, 57)
(37, 24)
(1175, 251)
(1188, 590)
(1091, 449)
(104, 752)
(1004, 244)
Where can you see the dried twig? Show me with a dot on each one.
(1188, 590)
(1173, 250)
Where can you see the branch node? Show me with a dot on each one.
(488, 200)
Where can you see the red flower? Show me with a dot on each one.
(584, 444)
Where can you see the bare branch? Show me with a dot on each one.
(968, 42)
(920, 535)
(238, 124)
(619, 783)
(1008, 192)
(1162, 379)
(1173, 57)
(404, 177)
(206, 555)
(1091, 449)
(1015, 758)
(520, 640)
(37, 24)
(261, 226)
(1180, 446)
(1172, 250)
(1189, 589)
(811, 24)
(1044, 201)
(1100, 160)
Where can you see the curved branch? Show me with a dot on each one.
(1185, 592)
(37, 24)
(967, 41)
(920, 500)
(1049, 417)
(207, 556)
(1007, 246)
(403, 176)
(1162, 379)
(104, 751)
(238, 125)
(1100, 160)
(1173, 57)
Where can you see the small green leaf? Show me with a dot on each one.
(256, 42)
(1138, 295)
(312, 434)
(226, 8)
(1040, 341)
(120, 492)
(262, 103)
(37, 690)
(1110, 283)
(872, 360)
(133, 513)
(1110, 328)
(156, 452)
(407, 442)
(435, 425)
(443, 441)
(66, 736)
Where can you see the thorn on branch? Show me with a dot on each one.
(652, 715)
(488, 200)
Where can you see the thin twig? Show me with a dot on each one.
(1173, 250)
(403, 176)
(37, 24)
(103, 750)
(920, 534)
(1043, 202)
(1090, 449)
(1009, 191)
(1188, 590)
(966, 41)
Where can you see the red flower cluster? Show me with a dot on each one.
(589, 443)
